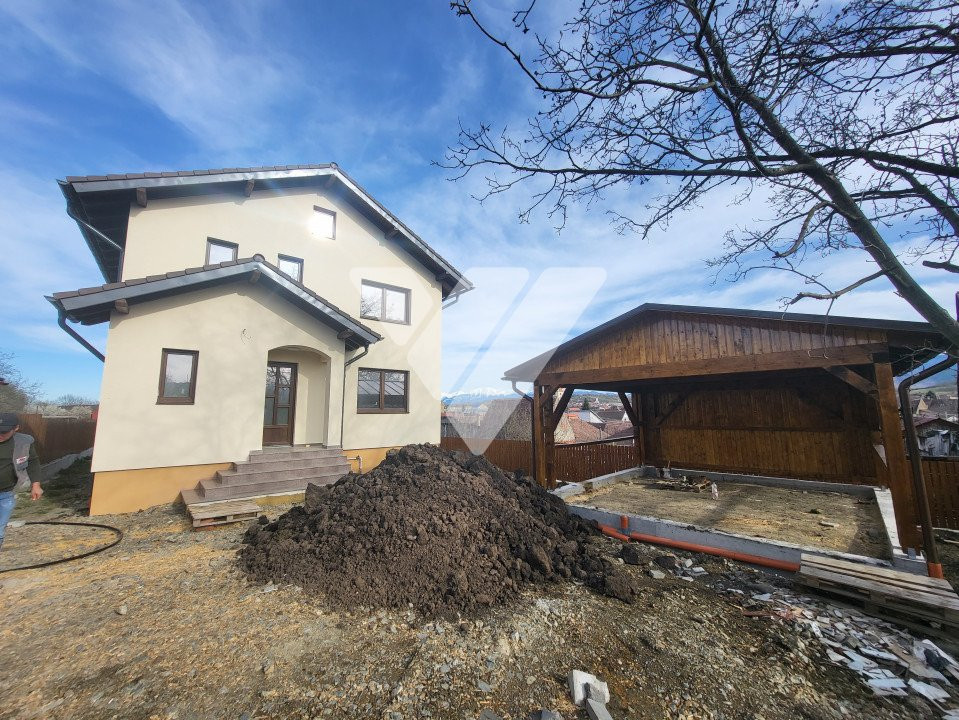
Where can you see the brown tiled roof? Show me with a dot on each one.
(192, 173)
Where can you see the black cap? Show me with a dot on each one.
(8, 421)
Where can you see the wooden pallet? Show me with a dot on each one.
(222, 513)
(914, 600)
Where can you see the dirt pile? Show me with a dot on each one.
(448, 533)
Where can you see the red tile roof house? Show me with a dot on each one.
(267, 327)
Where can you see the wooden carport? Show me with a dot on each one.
(745, 391)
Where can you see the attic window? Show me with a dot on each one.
(323, 223)
(218, 251)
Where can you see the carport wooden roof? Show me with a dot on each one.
(658, 356)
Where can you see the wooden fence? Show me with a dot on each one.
(942, 484)
(56, 437)
(574, 462)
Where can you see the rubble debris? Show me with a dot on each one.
(442, 533)
(696, 484)
(544, 714)
(890, 661)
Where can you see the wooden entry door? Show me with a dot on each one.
(279, 407)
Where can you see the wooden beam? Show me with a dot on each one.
(142, 197)
(122, 306)
(627, 406)
(539, 451)
(765, 362)
(344, 334)
(851, 377)
(549, 438)
(670, 409)
(899, 473)
(248, 189)
(254, 276)
(561, 406)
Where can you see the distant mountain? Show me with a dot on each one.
(477, 396)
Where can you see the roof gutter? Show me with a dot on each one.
(934, 567)
(62, 322)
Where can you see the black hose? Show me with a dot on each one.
(117, 531)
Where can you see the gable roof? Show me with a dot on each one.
(101, 205)
(527, 370)
(93, 305)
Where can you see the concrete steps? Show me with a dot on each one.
(272, 471)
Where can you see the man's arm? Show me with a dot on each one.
(35, 473)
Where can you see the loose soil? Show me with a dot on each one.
(197, 640)
(443, 533)
(854, 525)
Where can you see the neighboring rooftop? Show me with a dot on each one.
(101, 205)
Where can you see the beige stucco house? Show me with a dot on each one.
(267, 326)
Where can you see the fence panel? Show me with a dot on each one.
(56, 437)
(508, 455)
(942, 484)
(582, 461)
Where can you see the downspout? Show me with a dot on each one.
(62, 322)
(366, 349)
(934, 567)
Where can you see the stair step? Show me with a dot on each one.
(285, 463)
(300, 451)
(213, 491)
(231, 477)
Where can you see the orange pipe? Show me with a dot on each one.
(730, 554)
(607, 530)
(934, 570)
(624, 523)
(705, 549)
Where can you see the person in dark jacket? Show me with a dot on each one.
(19, 467)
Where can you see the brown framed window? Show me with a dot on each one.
(387, 303)
(177, 377)
(292, 266)
(323, 224)
(218, 251)
(382, 391)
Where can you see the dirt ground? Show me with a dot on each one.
(165, 626)
(812, 519)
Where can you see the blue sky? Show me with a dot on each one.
(378, 87)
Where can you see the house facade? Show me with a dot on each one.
(249, 310)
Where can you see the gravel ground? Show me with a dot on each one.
(165, 626)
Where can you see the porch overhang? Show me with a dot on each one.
(93, 305)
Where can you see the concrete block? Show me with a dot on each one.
(544, 714)
(583, 685)
(597, 710)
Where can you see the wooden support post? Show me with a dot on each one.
(638, 432)
(539, 451)
(900, 479)
(549, 438)
(121, 306)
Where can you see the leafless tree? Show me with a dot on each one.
(16, 392)
(845, 114)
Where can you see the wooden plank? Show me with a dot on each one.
(539, 450)
(885, 572)
(231, 507)
(906, 581)
(882, 591)
(788, 360)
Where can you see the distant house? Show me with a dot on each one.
(583, 431)
(588, 416)
(937, 437)
(612, 415)
(508, 419)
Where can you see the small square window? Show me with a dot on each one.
(382, 391)
(177, 377)
(292, 266)
(384, 302)
(218, 251)
(323, 223)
